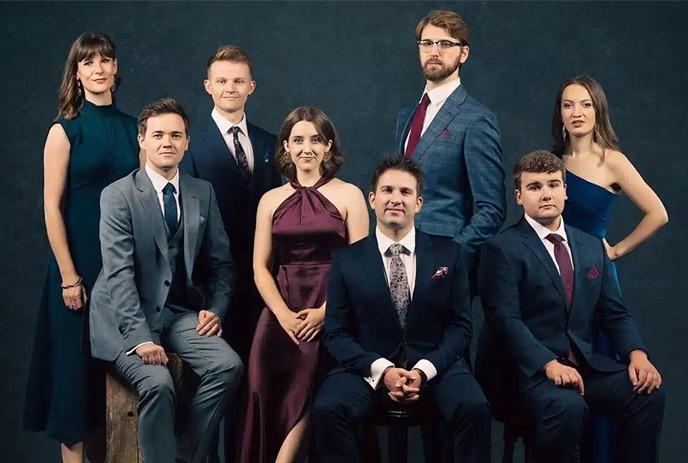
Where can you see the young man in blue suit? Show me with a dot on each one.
(453, 138)
(398, 323)
(543, 286)
(236, 157)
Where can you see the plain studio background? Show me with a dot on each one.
(358, 62)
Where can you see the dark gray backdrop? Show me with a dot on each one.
(357, 62)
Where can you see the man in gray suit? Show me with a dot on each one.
(158, 231)
(453, 138)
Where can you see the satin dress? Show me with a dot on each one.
(306, 228)
(588, 208)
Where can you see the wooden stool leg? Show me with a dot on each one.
(121, 422)
(397, 442)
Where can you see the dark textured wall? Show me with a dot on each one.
(357, 61)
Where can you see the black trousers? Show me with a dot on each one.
(559, 415)
(345, 400)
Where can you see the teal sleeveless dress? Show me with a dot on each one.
(65, 390)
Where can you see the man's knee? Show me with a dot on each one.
(567, 409)
(474, 410)
(157, 384)
(227, 367)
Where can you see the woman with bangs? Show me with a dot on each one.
(298, 225)
(89, 145)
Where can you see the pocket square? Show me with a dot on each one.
(593, 272)
(440, 273)
(201, 220)
(445, 133)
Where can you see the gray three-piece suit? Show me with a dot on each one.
(149, 290)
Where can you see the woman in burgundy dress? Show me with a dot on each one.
(298, 225)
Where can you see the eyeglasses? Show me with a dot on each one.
(442, 45)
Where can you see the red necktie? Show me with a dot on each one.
(561, 255)
(417, 125)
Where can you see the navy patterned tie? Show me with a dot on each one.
(170, 205)
(398, 282)
(240, 155)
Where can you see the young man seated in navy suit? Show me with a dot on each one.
(398, 323)
(544, 286)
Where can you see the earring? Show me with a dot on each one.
(78, 89)
(327, 156)
(113, 89)
(563, 132)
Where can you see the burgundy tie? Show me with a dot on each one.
(417, 125)
(561, 255)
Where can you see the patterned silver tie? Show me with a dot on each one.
(240, 155)
(398, 282)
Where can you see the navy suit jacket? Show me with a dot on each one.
(361, 324)
(525, 304)
(209, 158)
(461, 156)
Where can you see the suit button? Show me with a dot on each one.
(167, 283)
(157, 309)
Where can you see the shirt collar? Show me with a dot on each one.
(159, 181)
(543, 231)
(384, 242)
(440, 94)
(224, 125)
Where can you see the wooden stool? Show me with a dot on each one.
(122, 420)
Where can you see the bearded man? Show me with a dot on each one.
(454, 139)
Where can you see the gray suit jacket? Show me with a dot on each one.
(461, 156)
(132, 287)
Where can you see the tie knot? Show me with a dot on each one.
(235, 130)
(554, 238)
(169, 188)
(425, 101)
(397, 249)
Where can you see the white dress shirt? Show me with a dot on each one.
(542, 233)
(159, 182)
(409, 260)
(437, 98)
(224, 125)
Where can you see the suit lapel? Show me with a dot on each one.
(408, 115)
(578, 270)
(374, 269)
(191, 217)
(151, 204)
(447, 113)
(214, 138)
(425, 265)
(533, 242)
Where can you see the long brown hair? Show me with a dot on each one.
(331, 164)
(603, 132)
(87, 45)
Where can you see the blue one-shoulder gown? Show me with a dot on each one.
(588, 208)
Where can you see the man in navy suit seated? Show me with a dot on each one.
(398, 324)
(543, 286)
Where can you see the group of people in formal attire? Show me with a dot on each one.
(244, 254)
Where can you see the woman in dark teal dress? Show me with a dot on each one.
(90, 145)
(596, 172)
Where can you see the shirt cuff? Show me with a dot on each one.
(137, 346)
(376, 369)
(427, 368)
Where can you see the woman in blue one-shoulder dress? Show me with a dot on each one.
(596, 173)
(89, 145)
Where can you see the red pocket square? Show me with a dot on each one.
(593, 272)
(440, 273)
(445, 133)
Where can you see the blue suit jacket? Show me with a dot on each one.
(525, 305)
(361, 324)
(461, 156)
(210, 159)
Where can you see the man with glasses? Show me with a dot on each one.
(453, 138)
